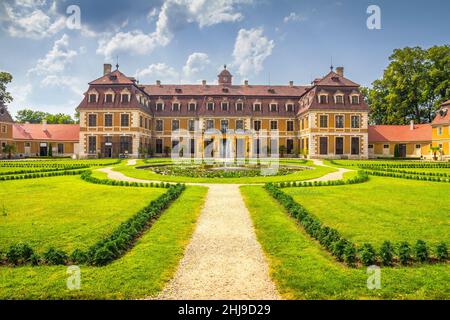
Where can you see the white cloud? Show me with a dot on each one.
(294, 17)
(32, 19)
(56, 59)
(20, 94)
(159, 71)
(250, 50)
(60, 81)
(173, 15)
(196, 63)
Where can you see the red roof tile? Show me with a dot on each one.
(443, 115)
(335, 80)
(115, 77)
(385, 133)
(47, 132)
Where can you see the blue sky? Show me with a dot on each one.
(182, 41)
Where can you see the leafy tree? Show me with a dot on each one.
(28, 115)
(5, 96)
(9, 149)
(413, 86)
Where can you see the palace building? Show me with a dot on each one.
(119, 116)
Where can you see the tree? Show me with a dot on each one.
(9, 149)
(413, 86)
(27, 115)
(5, 96)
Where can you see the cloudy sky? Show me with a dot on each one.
(184, 41)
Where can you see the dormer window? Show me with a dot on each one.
(355, 99)
(257, 107)
(175, 106)
(125, 97)
(159, 106)
(108, 98)
(323, 99)
(192, 106)
(224, 106)
(289, 107)
(239, 106)
(273, 107)
(92, 98)
(210, 106)
(339, 99)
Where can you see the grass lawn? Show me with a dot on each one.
(65, 212)
(140, 273)
(382, 209)
(317, 172)
(301, 269)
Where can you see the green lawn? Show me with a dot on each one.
(65, 212)
(317, 171)
(303, 270)
(382, 209)
(140, 273)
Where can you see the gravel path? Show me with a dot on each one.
(338, 175)
(223, 259)
(131, 162)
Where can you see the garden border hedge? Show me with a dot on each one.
(346, 251)
(87, 176)
(42, 175)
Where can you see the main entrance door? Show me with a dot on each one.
(402, 150)
(43, 150)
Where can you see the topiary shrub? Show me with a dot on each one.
(367, 254)
(421, 251)
(350, 255)
(442, 251)
(102, 257)
(386, 253)
(19, 253)
(55, 257)
(78, 256)
(404, 253)
(338, 248)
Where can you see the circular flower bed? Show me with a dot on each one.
(221, 171)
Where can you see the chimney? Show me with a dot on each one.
(340, 71)
(291, 83)
(411, 125)
(204, 82)
(246, 83)
(107, 67)
(158, 82)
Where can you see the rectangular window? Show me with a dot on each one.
(159, 107)
(191, 125)
(175, 125)
(339, 145)
(108, 120)
(289, 107)
(239, 124)
(60, 148)
(239, 106)
(124, 120)
(439, 131)
(141, 121)
(125, 98)
(192, 106)
(273, 107)
(290, 125)
(257, 107)
(418, 146)
(355, 145)
(92, 98)
(92, 144)
(159, 146)
(355, 99)
(175, 107)
(355, 122)
(92, 120)
(339, 99)
(370, 146)
(3, 129)
(273, 125)
(386, 146)
(323, 99)
(109, 98)
(323, 145)
(209, 124)
(224, 106)
(290, 146)
(323, 121)
(210, 106)
(125, 146)
(339, 121)
(223, 125)
(159, 125)
(257, 125)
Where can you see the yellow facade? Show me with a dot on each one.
(441, 139)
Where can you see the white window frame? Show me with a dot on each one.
(328, 121)
(351, 121)
(273, 104)
(112, 120)
(159, 103)
(257, 104)
(323, 95)
(236, 106)
(287, 125)
(336, 98)
(287, 107)
(270, 124)
(343, 121)
(243, 124)
(162, 126)
(178, 104)
(223, 103)
(213, 105)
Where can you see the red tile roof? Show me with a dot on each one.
(47, 132)
(115, 77)
(386, 133)
(443, 115)
(335, 80)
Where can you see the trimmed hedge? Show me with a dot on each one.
(105, 250)
(360, 178)
(46, 169)
(406, 176)
(343, 249)
(87, 176)
(403, 165)
(42, 175)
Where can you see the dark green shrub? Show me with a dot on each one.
(404, 253)
(350, 254)
(367, 254)
(338, 248)
(19, 253)
(78, 256)
(55, 257)
(35, 259)
(442, 251)
(103, 256)
(386, 253)
(421, 251)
